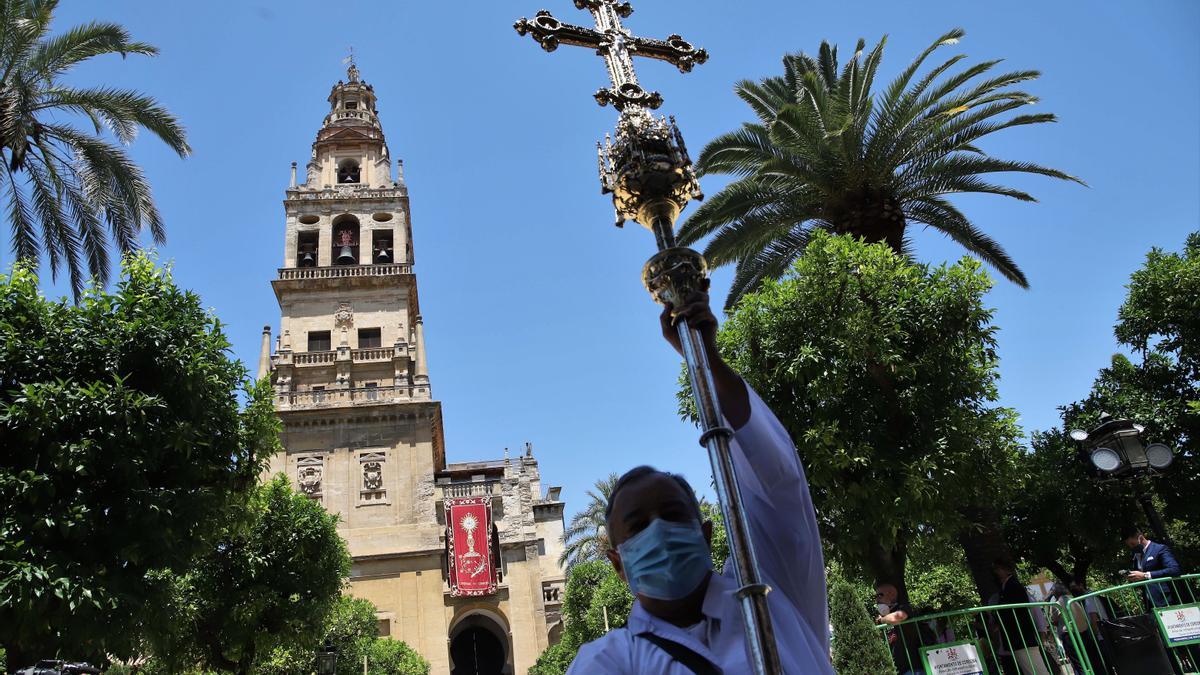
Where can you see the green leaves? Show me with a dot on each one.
(825, 152)
(125, 453)
(594, 591)
(884, 373)
(858, 647)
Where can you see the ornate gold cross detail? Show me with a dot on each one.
(617, 45)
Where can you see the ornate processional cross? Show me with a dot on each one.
(617, 45)
(647, 170)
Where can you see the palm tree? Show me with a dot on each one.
(828, 152)
(75, 189)
(586, 538)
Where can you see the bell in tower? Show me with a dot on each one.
(348, 172)
(345, 241)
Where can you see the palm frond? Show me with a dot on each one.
(944, 217)
(80, 43)
(738, 152)
(769, 263)
(66, 183)
(826, 149)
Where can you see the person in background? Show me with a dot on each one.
(904, 639)
(943, 632)
(1152, 560)
(1095, 611)
(1017, 627)
(1062, 595)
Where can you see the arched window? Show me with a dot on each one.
(345, 241)
(348, 171)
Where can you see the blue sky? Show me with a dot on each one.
(537, 324)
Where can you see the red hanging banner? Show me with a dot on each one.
(472, 570)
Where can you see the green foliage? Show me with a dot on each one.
(884, 372)
(612, 601)
(826, 152)
(392, 657)
(586, 537)
(582, 583)
(134, 455)
(1162, 310)
(938, 578)
(351, 629)
(1062, 517)
(555, 660)
(858, 647)
(720, 538)
(272, 583)
(592, 588)
(77, 188)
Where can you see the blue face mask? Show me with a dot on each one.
(666, 561)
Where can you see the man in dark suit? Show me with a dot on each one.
(1152, 560)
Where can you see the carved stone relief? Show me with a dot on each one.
(309, 474)
(372, 492)
(343, 317)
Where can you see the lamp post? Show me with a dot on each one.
(1116, 450)
(327, 659)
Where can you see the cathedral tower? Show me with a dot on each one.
(459, 559)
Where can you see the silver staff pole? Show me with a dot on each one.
(646, 168)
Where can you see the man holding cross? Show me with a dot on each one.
(686, 618)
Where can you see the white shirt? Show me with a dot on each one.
(784, 528)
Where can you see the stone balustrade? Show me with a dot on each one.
(472, 489)
(375, 354)
(313, 358)
(343, 271)
(340, 397)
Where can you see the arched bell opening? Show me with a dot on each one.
(348, 171)
(480, 645)
(345, 241)
(306, 249)
(381, 247)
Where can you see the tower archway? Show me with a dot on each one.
(480, 644)
(345, 240)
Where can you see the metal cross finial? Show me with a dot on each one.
(617, 45)
(352, 71)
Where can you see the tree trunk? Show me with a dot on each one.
(887, 565)
(983, 543)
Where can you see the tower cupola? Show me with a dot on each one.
(350, 151)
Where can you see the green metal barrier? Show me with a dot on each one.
(1010, 639)
(1048, 638)
(1085, 615)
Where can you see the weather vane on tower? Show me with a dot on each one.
(646, 168)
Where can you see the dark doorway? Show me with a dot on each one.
(477, 651)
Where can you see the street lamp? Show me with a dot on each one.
(1115, 450)
(327, 659)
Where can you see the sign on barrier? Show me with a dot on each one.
(955, 658)
(1180, 624)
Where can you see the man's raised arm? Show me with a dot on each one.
(774, 488)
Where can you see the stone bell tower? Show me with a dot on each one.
(478, 590)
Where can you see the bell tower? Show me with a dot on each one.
(361, 430)
(460, 559)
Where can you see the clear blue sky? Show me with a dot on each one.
(537, 324)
